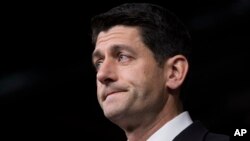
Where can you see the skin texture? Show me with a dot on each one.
(132, 89)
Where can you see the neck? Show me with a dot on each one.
(147, 125)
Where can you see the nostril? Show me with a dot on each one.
(108, 80)
(105, 76)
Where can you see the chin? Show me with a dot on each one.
(113, 114)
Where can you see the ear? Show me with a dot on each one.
(176, 69)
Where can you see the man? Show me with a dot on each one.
(142, 59)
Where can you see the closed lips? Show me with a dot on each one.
(113, 92)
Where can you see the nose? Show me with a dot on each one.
(106, 73)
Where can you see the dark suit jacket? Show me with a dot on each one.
(197, 132)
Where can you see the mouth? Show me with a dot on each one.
(111, 93)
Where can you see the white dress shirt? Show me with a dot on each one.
(172, 128)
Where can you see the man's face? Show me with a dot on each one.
(129, 80)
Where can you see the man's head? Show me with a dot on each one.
(160, 30)
(140, 57)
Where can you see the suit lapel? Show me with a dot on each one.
(194, 132)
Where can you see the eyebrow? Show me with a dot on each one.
(113, 48)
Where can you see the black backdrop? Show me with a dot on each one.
(47, 82)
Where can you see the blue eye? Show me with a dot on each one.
(98, 64)
(123, 58)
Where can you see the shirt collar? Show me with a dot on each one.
(172, 128)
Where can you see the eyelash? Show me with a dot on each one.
(119, 57)
(97, 64)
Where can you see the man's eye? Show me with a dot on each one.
(97, 64)
(123, 58)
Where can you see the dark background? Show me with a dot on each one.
(47, 82)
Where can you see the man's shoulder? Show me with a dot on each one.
(216, 137)
(198, 132)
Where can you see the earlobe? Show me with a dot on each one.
(176, 69)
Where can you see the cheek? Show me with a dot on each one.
(149, 79)
(139, 77)
(132, 75)
(99, 93)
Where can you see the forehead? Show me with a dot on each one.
(118, 35)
